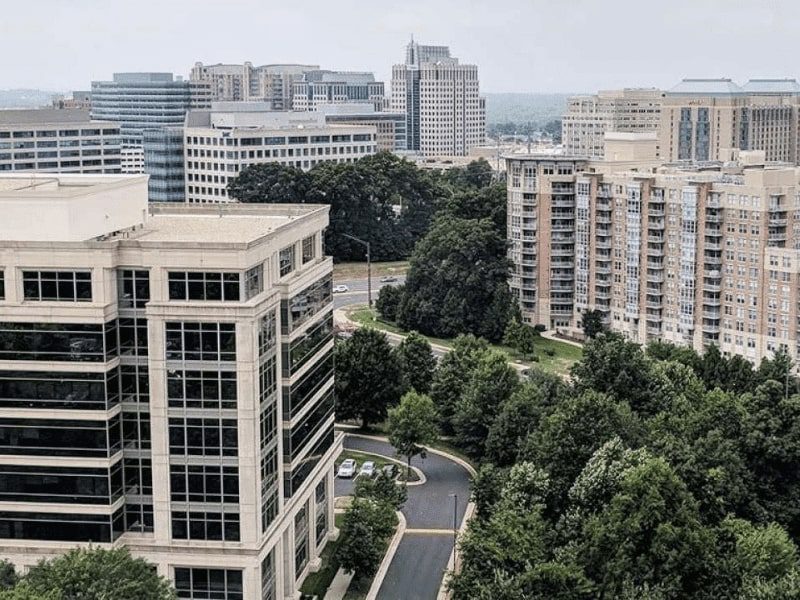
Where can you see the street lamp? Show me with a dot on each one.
(369, 266)
(455, 530)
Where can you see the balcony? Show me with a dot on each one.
(711, 301)
(712, 286)
(562, 202)
(603, 245)
(654, 291)
(653, 330)
(655, 266)
(655, 224)
(602, 270)
(712, 245)
(562, 251)
(656, 251)
(654, 278)
(602, 295)
(655, 211)
(713, 218)
(600, 220)
(654, 304)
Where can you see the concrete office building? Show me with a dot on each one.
(143, 101)
(320, 88)
(163, 162)
(694, 254)
(390, 127)
(166, 383)
(58, 141)
(445, 115)
(221, 142)
(588, 118)
(706, 119)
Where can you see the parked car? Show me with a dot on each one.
(347, 469)
(338, 289)
(388, 279)
(367, 469)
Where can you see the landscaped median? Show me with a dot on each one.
(550, 355)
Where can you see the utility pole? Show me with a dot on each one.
(369, 265)
(455, 531)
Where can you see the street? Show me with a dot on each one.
(357, 292)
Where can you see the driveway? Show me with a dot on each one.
(417, 568)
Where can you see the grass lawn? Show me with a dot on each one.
(563, 355)
(345, 271)
(317, 584)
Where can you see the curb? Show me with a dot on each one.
(341, 314)
(380, 574)
(444, 593)
(422, 479)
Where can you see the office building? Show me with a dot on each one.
(166, 383)
(320, 88)
(445, 115)
(588, 118)
(52, 140)
(163, 162)
(142, 101)
(707, 119)
(79, 99)
(693, 253)
(390, 127)
(221, 142)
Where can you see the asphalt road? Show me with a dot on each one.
(421, 560)
(357, 292)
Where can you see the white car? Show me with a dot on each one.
(347, 468)
(338, 289)
(367, 469)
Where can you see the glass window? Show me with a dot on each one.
(292, 480)
(209, 584)
(58, 389)
(298, 394)
(2, 286)
(309, 248)
(212, 286)
(202, 436)
(211, 390)
(133, 288)
(286, 260)
(254, 281)
(305, 304)
(296, 437)
(321, 500)
(57, 342)
(61, 526)
(204, 483)
(306, 345)
(55, 437)
(300, 541)
(200, 525)
(267, 334)
(57, 286)
(68, 485)
(268, 577)
(187, 341)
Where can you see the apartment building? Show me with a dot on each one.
(58, 141)
(166, 383)
(320, 88)
(221, 142)
(142, 101)
(589, 117)
(706, 119)
(692, 253)
(445, 114)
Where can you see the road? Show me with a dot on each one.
(421, 560)
(357, 293)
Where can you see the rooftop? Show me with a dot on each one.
(705, 87)
(772, 86)
(44, 116)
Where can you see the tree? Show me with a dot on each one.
(457, 281)
(416, 362)
(368, 377)
(97, 574)
(364, 534)
(8, 575)
(270, 183)
(452, 375)
(22, 591)
(593, 323)
(382, 488)
(412, 426)
(388, 301)
(521, 337)
(491, 384)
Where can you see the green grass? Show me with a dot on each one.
(563, 355)
(317, 584)
(358, 270)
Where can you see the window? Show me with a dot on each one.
(266, 333)
(298, 394)
(306, 345)
(204, 286)
(201, 341)
(67, 485)
(133, 337)
(305, 304)
(2, 286)
(59, 390)
(133, 288)
(209, 584)
(309, 248)
(202, 436)
(300, 541)
(254, 281)
(198, 525)
(286, 260)
(292, 480)
(321, 502)
(204, 483)
(57, 286)
(56, 437)
(296, 438)
(268, 577)
(210, 390)
(61, 526)
(58, 342)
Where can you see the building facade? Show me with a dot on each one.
(390, 128)
(166, 383)
(78, 99)
(587, 118)
(142, 101)
(221, 142)
(694, 254)
(320, 88)
(163, 162)
(58, 141)
(445, 114)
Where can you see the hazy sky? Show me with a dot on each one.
(519, 45)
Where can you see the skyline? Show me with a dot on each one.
(530, 47)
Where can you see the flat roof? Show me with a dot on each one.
(58, 185)
(47, 116)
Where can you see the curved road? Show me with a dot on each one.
(417, 568)
(357, 292)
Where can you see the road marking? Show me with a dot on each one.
(430, 531)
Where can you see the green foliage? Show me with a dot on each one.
(8, 575)
(22, 591)
(521, 337)
(412, 425)
(388, 301)
(382, 488)
(593, 323)
(271, 183)
(416, 362)
(368, 377)
(365, 530)
(96, 574)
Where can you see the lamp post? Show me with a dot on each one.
(369, 266)
(455, 531)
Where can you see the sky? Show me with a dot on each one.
(535, 46)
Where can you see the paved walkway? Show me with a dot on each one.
(421, 560)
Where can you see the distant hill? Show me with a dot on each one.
(524, 108)
(25, 98)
